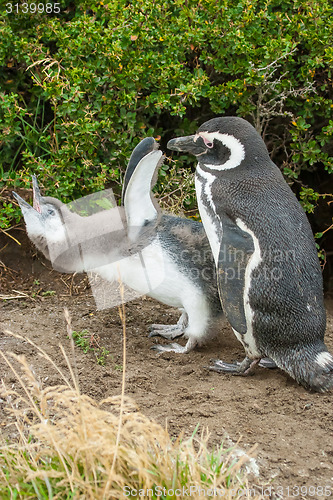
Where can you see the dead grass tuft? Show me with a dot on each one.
(71, 446)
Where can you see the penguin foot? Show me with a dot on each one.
(190, 345)
(267, 363)
(246, 367)
(169, 332)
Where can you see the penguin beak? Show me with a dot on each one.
(36, 195)
(190, 144)
(23, 204)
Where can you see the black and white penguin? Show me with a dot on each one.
(162, 256)
(269, 277)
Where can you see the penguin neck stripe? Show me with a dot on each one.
(207, 209)
(207, 176)
(237, 151)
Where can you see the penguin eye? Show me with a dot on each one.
(209, 144)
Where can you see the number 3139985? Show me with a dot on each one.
(32, 8)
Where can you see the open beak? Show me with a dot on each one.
(35, 195)
(21, 201)
(190, 144)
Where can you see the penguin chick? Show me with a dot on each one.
(173, 252)
(74, 243)
(269, 277)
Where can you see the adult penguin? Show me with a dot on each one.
(269, 277)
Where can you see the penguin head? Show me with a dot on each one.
(223, 144)
(43, 220)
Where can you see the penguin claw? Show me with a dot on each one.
(190, 345)
(157, 326)
(243, 369)
(267, 363)
(222, 367)
(169, 332)
(169, 348)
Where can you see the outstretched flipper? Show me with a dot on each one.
(142, 214)
(140, 177)
(146, 146)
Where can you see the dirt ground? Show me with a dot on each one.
(293, 427)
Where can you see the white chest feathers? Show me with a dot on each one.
(207, 209)
(150, 272)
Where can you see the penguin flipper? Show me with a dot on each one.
(144, 147)
(139, 202)
(235, 252)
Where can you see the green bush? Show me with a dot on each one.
(79, 89)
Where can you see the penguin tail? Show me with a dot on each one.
(310, 365)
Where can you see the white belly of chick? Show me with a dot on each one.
(151, 272)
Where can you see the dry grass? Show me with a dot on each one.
(71, 446)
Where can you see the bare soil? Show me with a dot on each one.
(293, 427)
